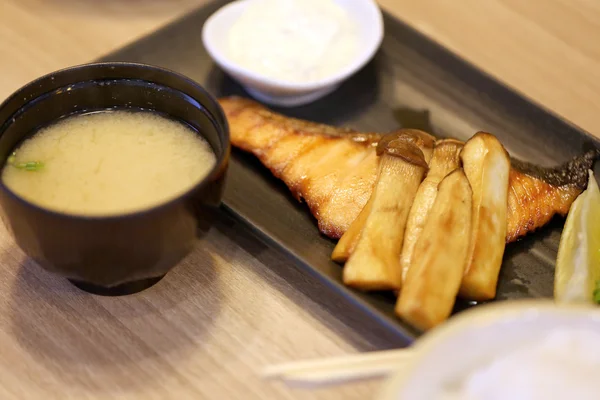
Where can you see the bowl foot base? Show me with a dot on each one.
(290, 100)
(119, 290)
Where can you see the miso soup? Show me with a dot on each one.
(108, 163)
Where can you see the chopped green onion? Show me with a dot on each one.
(27, 166)
(31, 165)
(597, 293)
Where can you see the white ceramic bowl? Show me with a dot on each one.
(280, 92)
(451, 351)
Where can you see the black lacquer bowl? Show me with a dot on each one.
(124, 253)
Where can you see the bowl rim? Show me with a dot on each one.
(225, 63)
(219, 120)
(485, 315)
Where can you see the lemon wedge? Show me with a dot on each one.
(577, 275)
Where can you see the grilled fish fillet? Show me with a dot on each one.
(532, 203)
(334, 169)
(330, 171)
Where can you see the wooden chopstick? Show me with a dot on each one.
(337, 370)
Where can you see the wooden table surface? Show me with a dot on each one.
(233, 305)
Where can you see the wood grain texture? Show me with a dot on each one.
(204, 331)
(234, 305)
(40, 36)
(545, 49)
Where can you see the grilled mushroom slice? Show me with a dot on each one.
(349, 240)
(445, 159)
(375, 262)
(440, 256)
(487, 167)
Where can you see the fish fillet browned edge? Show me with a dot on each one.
(334, 169)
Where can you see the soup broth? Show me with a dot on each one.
(108, 163)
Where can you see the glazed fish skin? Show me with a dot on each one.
(279, 141)
(537, 194)
(333, 174)
(532, 203)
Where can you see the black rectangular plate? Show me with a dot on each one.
(412, 82)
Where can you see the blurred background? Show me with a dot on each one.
(547, 49)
